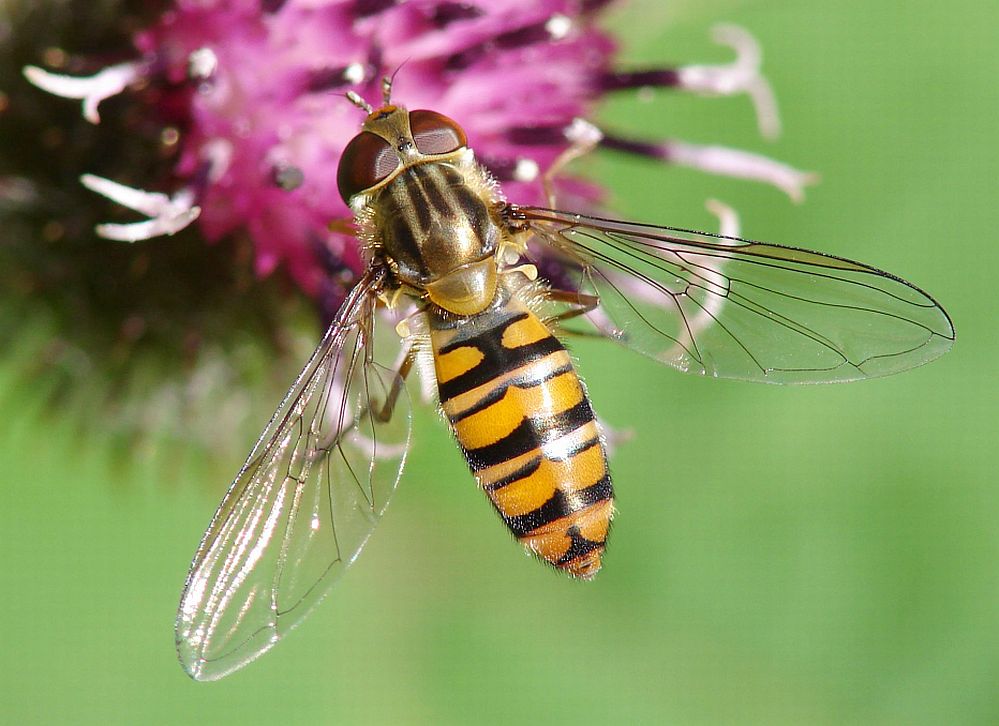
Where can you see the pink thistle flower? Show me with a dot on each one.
(250, 86)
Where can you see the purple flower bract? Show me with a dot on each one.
(268, 100)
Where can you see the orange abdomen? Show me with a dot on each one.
(525, 425)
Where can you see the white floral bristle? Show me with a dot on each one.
(354, 73)
(202, 63)
(168, 215)
(741, 165)
(526, 170)
(558, 26)
(742, 75)
(728, 218)
(90, 89)
(583, 133)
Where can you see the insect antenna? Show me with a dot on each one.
(387, 82)
(355, 99)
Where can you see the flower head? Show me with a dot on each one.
(251, 88)
(230, 113)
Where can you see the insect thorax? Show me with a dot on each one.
(438, 226)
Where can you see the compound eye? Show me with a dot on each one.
(367, 160)
(435, 133)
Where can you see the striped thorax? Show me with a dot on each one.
(425, 207)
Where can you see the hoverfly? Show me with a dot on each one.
(440, 237)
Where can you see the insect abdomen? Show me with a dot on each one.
(525, 425)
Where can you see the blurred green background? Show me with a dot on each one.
(781, 555)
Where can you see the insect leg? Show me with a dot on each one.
(380, 413)
(583, 302)
(383, 413)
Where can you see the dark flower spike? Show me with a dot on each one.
(520, 83)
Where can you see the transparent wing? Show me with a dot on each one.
(733, 308)
(302, 506)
